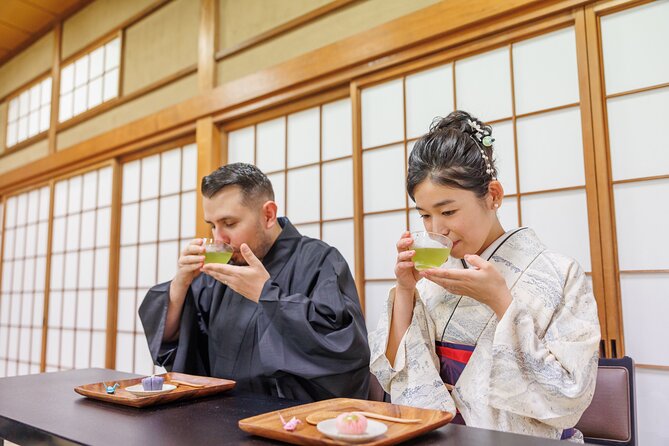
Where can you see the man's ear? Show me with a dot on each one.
(269, 214)
(495, 194)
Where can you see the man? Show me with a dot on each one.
(282, 318)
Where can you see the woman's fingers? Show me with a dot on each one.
(405, 255)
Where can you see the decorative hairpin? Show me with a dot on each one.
(482, 136)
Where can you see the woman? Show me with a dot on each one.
(506, 332)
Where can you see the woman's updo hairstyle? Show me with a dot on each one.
(455, 152)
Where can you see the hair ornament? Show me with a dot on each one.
(483, 136)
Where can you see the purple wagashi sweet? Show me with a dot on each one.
(153, 382)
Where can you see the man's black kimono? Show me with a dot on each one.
(305, 339)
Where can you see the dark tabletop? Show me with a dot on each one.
(44, 409)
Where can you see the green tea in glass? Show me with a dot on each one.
(217, 252)
(432, 249)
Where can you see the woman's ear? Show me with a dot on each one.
(495, 194)
(269, 213)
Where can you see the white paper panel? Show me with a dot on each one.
(67, 349)
(340, 235)
(12, 351)
(26, 301)
(630, 42)
(52, 344)
(16, 280)
(645, 299)
(338, 189)
(652, 388)
(89, 190)
(22, 209)
(56, 271)
(130, 182)
(110, 85)
(150, 176)
(87, 229)
(84, 309)
(304, 195)
(483, 85)
(65, 107)
(60, 200)
(337, 135)
(82, 348)
(74, 195)
(44, 203)
(128, 267)
(42, 236)
(143, 361)
(100, 310)
(383, 179)
(170, 172)
(415, 222)
(382, 232)
(189, 180)
(545, 72)
(168, 255)
(36, 349)
(73, 232)
(504, 155)
(124, 352)
(98, 350)
(129, 219)
(86, 269)
(304, 137)
(550, 150)
(382, 114)
(240, 146)
(112, 54)
(169, 226)
(38, 309)
(271, 145)
(80, 99)
(188, 215)
(33, 206)
(148, 221)
(103, 221)
(69, 308)
(104, 186)
(278, 181)
(429, 94)
(126, 310)
(40, 273)
(638, 153)
(641, 225)
(312, 230)
(146, 268)
(560, 219)
(376, 296)
(508, 213)
(95, 89)
(24, 346)
(28, 275)
(20, 243)
(101, 268)
(31, 240)
(9, 244)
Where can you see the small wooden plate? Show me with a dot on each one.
(269, 424)
(202, 386)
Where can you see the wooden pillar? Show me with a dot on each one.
(358, 217)
(55, 85)
(208, 138)
(206, 63)
(114, 254)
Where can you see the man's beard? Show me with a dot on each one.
(260, 250)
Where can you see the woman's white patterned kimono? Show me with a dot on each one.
(532, 372)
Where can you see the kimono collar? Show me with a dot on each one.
(518, 249)
(283, 246)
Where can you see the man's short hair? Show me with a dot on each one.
(254, 185)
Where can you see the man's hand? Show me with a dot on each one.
(246, 280)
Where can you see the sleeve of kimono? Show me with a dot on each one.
(189, 353)
(319, 335)
(547, 371)
(414, 380)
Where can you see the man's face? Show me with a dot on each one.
(234, 222)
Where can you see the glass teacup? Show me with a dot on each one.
(432, 249)
(217, 252)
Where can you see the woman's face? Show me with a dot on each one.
(470, 222)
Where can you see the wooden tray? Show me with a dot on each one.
(269, 425)
(211, 386)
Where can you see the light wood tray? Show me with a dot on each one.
(269, 425)
(210, 386)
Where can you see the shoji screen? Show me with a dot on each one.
(637, 102)
(23, 282)
(307, 156)
(157, 220)
(528, 91)
(77, 319)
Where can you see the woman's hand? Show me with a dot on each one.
(406, 274)
(483, 283)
